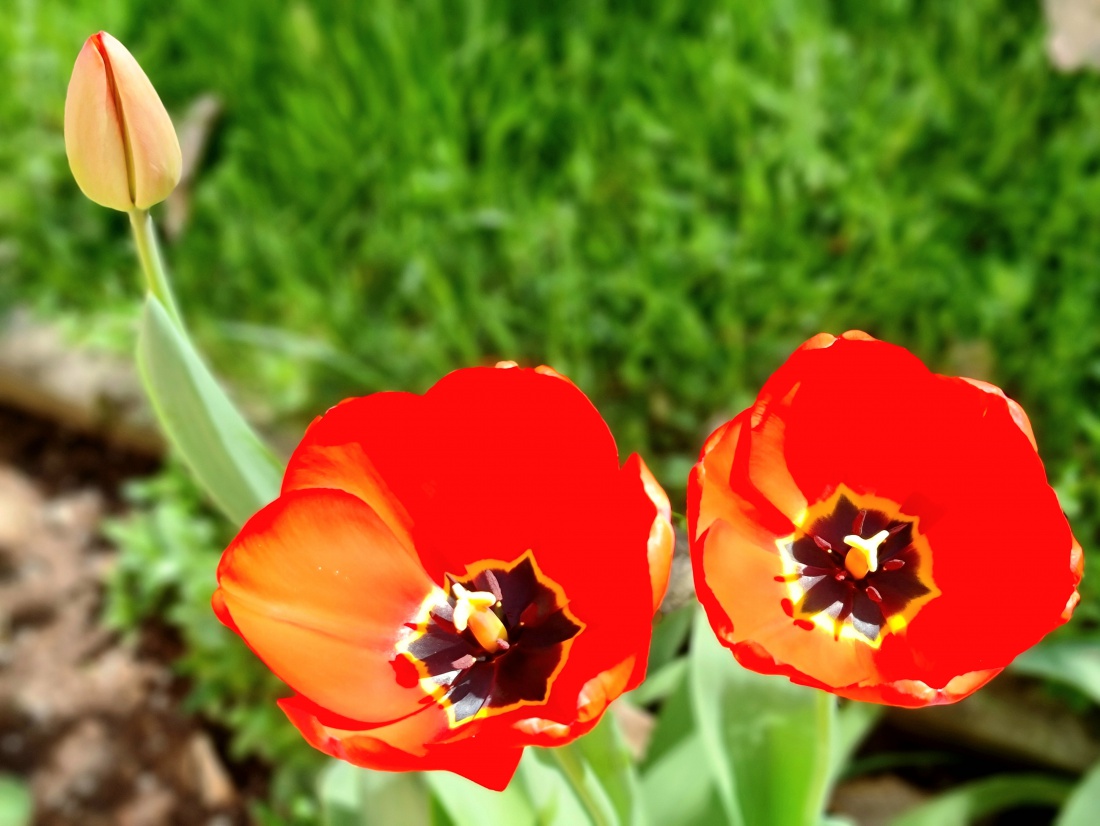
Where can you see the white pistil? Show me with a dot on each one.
(474, 610)
(862, 556)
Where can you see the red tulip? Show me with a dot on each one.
(448, 578)
(879, 531)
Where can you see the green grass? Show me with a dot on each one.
(660, 199)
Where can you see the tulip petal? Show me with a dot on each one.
(319, 588)
(156, 161)
(740, 571)
(93, 131)
(405, 745)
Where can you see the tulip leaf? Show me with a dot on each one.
(1083, 803)
(768, 740)
(854, 722)
(670, 632)
(468, 804)
(234, 467)
(15, 802)
(604, 753)
(675, 790)
(1076, 663)
(351, 796)
(972, 801)
(553, 800)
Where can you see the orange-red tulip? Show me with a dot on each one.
(448, 578)
(879, 531)
(122, 148)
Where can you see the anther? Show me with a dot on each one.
(464, 662)
(822, 543)
(873, 594)
(893, 564)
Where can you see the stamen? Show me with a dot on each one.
(893, 564)
(494, 585)
(857, 523)
(862, 556)
(873, 594)
(822, 543)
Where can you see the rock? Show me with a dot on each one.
(216, 789)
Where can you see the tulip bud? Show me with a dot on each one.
(120, 141)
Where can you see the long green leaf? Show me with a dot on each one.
(351, 796)
(468, 804)
(608, 759)
(968, 803)
(769, 741)
(1076, 663)
(553, 800)
(15, 802)
(1083, 806)
(235, 468)
(675, 790)
(854, 722)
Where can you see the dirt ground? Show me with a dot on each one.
(91, 721)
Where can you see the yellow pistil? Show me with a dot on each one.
(474, 610)
(862, 556)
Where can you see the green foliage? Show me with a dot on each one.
(969, 803)
(169, 547)
(768, 742)
(1083, 803)
(659, 198)
(228, 460)
(15, 802)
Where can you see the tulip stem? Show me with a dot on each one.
(572, 768)
(156, 276)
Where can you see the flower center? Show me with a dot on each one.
(477, 610)
(862, 556)
(855, 570)
(495, 642)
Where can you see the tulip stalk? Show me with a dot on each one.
(571, 766)
(152, 264)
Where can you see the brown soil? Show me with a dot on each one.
(90, 721)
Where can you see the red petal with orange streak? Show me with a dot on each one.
(407, 745)
(319, 587)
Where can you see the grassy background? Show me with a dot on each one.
(660, 198)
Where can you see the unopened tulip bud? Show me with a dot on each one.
(120, 141)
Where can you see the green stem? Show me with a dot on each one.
(825, 723)
(156, 276)
(572, 768)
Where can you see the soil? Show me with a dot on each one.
(90, 721)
